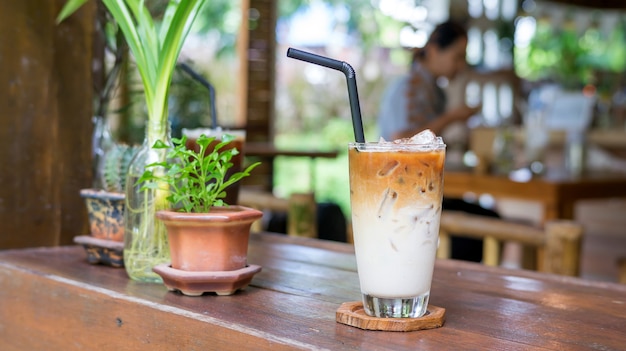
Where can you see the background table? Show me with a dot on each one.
(51, 299)
(556, 193)
(268, 151)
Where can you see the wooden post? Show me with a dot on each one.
(563, 239)
(621, 264)
(257, 59)
(302, 215)
(444, 248)
(491, 251)
(261, 201)
(46, 122)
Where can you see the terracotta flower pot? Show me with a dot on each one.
(209, 242)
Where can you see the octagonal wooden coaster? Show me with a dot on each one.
(353, 314)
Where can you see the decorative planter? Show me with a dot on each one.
(106, 214)
(100, 251)
(105, 242)
(208, 250)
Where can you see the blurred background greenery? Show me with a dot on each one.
(311, 103)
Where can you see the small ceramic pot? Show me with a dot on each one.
(209, 242)
(106, 214)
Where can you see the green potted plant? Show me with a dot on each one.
(105, 200)
(155, 49)
(106, 207)
(208, 239)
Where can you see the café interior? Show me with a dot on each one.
(544, 158)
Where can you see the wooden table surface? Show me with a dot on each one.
(51, 299)
(557, 193)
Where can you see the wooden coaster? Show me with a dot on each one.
(353, 314)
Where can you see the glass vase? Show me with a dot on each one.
(145, 239)
(101, 143)
(504, 150)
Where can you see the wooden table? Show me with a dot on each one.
(557, 193)
(51, 299)
(270, 150)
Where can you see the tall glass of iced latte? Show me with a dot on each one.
(396, 190)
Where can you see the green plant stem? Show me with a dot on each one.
(147, 245)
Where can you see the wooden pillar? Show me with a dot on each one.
(260, 72)
(302, 215)
(257, 52)
(621, 266)
(45, 122)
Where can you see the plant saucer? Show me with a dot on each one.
(197, 283)
(101, 251)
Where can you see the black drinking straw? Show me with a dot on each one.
(353, 95)
(207, 85)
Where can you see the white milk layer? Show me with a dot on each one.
(396, 254)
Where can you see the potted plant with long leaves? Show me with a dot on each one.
(208, 239)
(155, 49)
(105, 199)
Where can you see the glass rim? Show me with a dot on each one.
(373, 146)
(213, 132)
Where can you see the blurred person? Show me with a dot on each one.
(416, 102)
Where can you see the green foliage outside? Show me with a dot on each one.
(317, 115)
(573, 59)
(308, 116)
(328, 177)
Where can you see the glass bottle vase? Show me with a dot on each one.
(145, 239)
(101, 143)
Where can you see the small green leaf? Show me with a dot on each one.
(159, 144)
(204, 141)
(147, 175)
(177, 141)
(227, 138)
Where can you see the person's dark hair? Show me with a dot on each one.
(444, 35)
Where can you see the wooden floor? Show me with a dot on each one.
(605, 234)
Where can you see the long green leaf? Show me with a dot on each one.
(155, 53)
(171, 45)
(146, 31)
(170, 10)
(147, 69)
(69, 8)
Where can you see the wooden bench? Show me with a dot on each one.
(301, 210)
(558, 242)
